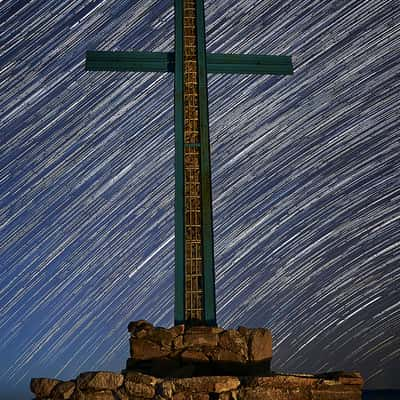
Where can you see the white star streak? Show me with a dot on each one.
(305, 176)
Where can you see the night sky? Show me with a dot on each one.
(305, 180)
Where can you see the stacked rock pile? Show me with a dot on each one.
(198, 351)
(137, 386)
(199, 363)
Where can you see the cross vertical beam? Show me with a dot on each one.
(199, 306)
(179, 311)
(194, 290)
(205, 163)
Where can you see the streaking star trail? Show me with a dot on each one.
(305, 184)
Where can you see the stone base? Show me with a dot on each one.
(137, 386)
(198, 351)
(200, 363)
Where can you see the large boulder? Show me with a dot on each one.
(101, 380)
(63, 391)
(140, 390)
(260, 345)
(42, 387)
(137, 377)
(233, 341)
(140, 385)
(144, 349)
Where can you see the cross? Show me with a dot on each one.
(194, 250)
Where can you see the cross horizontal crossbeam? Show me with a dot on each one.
(165, 62)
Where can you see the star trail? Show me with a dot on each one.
(305, 178)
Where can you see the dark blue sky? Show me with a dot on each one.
(306, 185)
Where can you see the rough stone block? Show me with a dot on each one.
(140, 390)
(267, 393)
(63, 391)
(99, 395)
(42, 387)
(102, 380)
(335, 395)
(260, 345)
(177, 343)
(166, 389)
(282, 381)
(122, 394)
(245, 332)
(226, 384)
(204, 329)
(207, 384)
(195, 396)
(192, 356)
(228, 395)
(223, 355)
(346, 378)
(163, 337)
(201, 336)
(144, 349)
(200, 396)
(180, 396)
(137, 377)
(233, 341)
(178, 330)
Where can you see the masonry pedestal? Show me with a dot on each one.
(198, 351)
(200, 363)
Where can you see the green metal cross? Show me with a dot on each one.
(194, 253)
